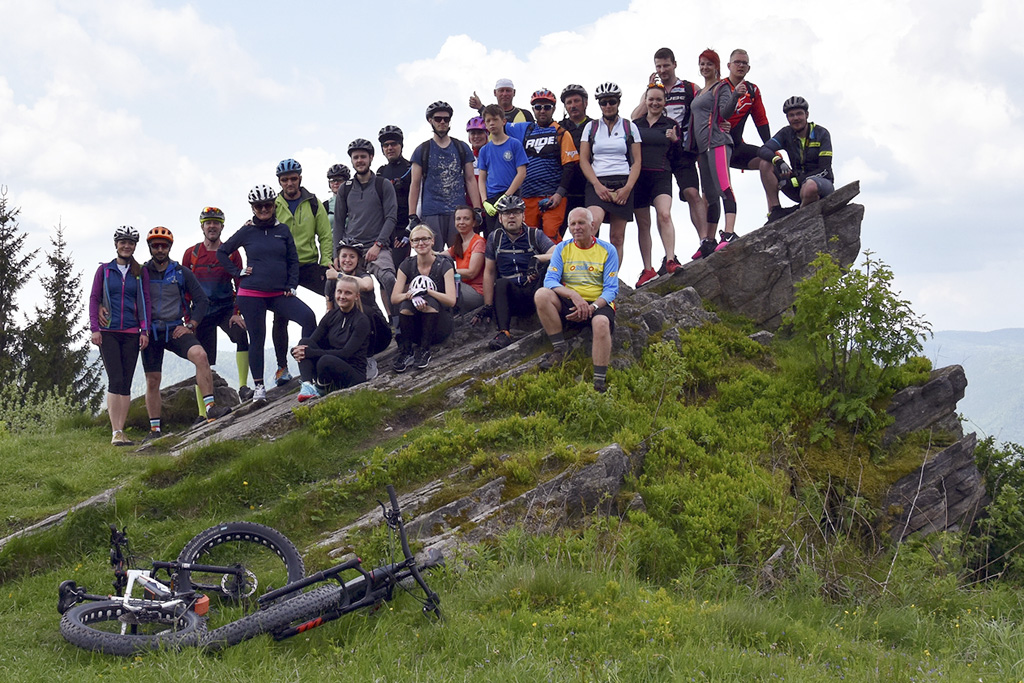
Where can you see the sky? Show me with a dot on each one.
(140, 112)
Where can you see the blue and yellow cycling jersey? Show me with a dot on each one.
(593, 272)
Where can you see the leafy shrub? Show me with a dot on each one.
(997, 548)
(25, 408)
(859, 331)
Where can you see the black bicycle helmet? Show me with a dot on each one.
(794, 102)
(350, 244)
(339, 172)
(440, 105)
(211, 213)
(573, 89)
(390, 132)
(360, 144)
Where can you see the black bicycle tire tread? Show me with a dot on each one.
(303, 606)
(74, 626)
(286, 549)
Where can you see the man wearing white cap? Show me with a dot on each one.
(504, 91)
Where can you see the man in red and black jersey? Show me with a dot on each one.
(744, 155)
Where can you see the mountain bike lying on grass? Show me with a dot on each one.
(231, 562)
(174, 613)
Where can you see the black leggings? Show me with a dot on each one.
(511, 298)
(312, 276)
(254, 312)
(120, 353)
(424, 329)
(328, 370)
(206, 333)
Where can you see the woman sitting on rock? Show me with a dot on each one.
(350, 262)
(424, 294)
(334, 357)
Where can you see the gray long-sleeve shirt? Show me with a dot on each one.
(363, 216)
(709, 110)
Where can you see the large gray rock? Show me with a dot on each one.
(945, 494)
(757, 274)
(931, 405)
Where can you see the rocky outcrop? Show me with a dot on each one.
(930, 406)
(756, 275)
(484, 513)
(945, 494)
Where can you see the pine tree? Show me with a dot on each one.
(15, 269)
(55, 342)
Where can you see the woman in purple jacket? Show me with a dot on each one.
(121, 287)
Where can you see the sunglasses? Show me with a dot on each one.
(441, 119)
(608, 102)
(543, 107)
(263, 206)
(159, 246)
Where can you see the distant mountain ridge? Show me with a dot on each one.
(994, 363)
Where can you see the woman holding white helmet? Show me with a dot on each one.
(424, 295)
(268, 281)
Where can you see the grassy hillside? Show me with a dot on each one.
(742, 458)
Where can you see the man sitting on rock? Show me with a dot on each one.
(513, 263)
(810, 152)
(579, 289)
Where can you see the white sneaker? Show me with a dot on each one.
(259, 394)
(371, 369)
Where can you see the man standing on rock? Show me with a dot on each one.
(579, 290)
(174, 322)
(810, 152)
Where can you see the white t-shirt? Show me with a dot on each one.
(609, 147)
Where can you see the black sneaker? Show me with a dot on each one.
(421, 359)
(501, 340)
(244, 393)
(552, 359)
(152, 435)
(600, 386)
(402, 362)
(708, 247)
(215, 412)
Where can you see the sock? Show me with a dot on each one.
(407, 324)
(427, 326)
(600, 373)
(207, 403)
(242, 361)
(558, 341)
(200, 401)
(154, 424)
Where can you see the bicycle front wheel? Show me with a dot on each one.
(108, 627)
(269, 560)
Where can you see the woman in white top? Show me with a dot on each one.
(610, 160)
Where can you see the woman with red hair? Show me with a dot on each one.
(711, 108)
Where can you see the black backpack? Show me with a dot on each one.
(423, 152)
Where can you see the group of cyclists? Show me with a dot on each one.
(457, 227)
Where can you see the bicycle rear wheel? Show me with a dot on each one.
(108, 627)
(269, 559)
(301, 607)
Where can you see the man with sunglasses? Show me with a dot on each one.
(442, 176)
(552, 162)
(175, 318)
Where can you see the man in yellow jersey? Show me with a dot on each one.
(579, 289)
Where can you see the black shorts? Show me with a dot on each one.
(742, 155)
(606, 310)
(153, 355)
(613, 182)
(650, 185)
(684, 168)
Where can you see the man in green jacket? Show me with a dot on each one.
(304, 214)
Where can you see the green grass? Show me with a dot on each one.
(736, 464)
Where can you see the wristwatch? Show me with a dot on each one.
(379, 244)
(593, 305)
(190, 325)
